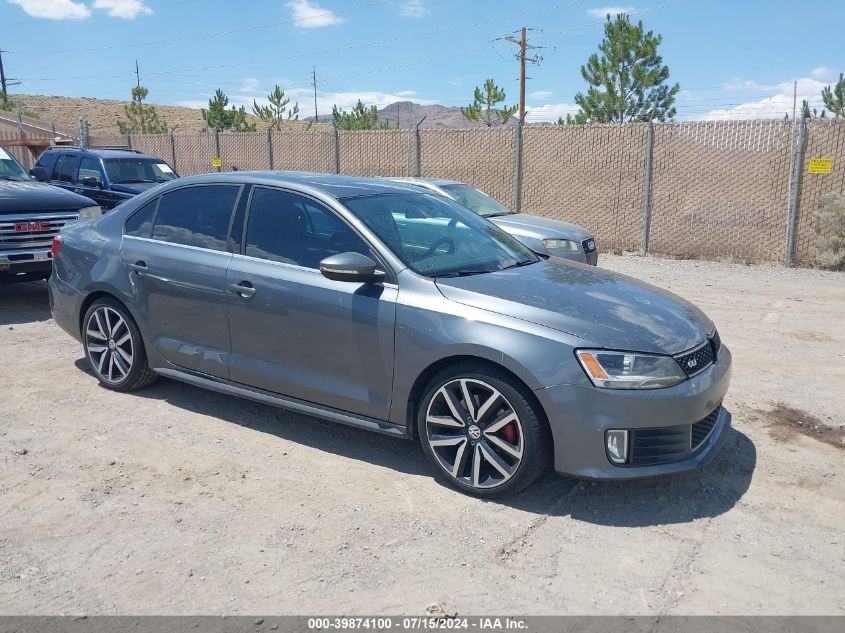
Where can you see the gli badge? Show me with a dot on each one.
(691, 363)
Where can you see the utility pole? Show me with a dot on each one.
(314, 81)
(138, 97)
(524, 46)
(3, 76)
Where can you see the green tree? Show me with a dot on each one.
(834, 97)
(483, 107)
(142, 118)
(810, 114)
(6, 104)
(577, 119)
(219, 117)
(627, 78)
(360, 117)
(277, 112)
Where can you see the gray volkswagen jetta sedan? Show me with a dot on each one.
(381, 306)
(546, 236)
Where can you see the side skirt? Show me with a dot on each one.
(291, 404)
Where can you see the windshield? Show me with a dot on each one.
(436, 237)
(475, 200)
(134, 170)
(10, 169)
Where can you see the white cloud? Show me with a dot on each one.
(310, 15)
(413, 9)
(126, 9)
(541, 94)
(250, 84)
(54, 9)
(549, 112)
(305, 98)
(771, 107)
(822, 72)
(602, 12)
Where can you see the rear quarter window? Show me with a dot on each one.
(140, 223)
(47, 160)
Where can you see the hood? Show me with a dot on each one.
(540, 228)
(605, 309)
(38, 196)
(133, 188)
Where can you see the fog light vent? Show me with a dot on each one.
(617, 446)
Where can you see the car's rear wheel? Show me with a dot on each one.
(483, 431)
(114, 347)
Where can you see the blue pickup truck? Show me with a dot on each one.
(107, 176)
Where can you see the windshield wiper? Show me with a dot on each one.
(131, 182)
(499, 214)
(519, 264)
(11, 178)
(466, 272)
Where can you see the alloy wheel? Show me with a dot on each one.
(474, 433)
(109, 344)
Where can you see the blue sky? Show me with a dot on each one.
(733, 59)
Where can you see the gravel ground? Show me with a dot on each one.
(174, 500)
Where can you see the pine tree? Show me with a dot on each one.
(483, 107)
(218, 117)
(277, 112)
(810, 114)
(628, 79)
(360, 117)
(143, 118)
(834, 97)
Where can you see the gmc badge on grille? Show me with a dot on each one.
(31, 227)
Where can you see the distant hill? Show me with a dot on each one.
(103, 114)
(408, 113)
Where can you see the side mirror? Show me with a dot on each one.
(352, 267)
(91, 182)
(39, 173)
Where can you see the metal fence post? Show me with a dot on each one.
(336, 151)
(795, 193)
(173, 149)
(418, 149)
(517, 175)
(270, 148)
(649, 153)
(217, 149)
(129, 140)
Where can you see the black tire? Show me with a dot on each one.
(100, 329)
(534, 438)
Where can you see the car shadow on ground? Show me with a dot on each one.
(24, 303)
(706, 492)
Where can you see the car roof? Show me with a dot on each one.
(421, 181)
(105, 153)
(334, 185)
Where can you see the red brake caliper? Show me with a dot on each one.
(510, 433)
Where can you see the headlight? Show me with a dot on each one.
(561, 245)
(90, 212)
(629, 370)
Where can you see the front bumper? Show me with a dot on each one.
(580, 415)
(24, 265)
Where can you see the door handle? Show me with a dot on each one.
(244, 289)
(139, 267)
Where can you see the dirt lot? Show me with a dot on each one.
(176, 500)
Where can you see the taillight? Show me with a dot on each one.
(55, 246)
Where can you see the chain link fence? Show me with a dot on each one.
(694, 189)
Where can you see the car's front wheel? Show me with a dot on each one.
(114, 347)
(483, 431)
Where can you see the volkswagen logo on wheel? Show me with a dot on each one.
(474, 432)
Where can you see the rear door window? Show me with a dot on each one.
(65, 169)
(196, 216)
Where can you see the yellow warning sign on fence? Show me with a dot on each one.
(218, 162)
(820, 165)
